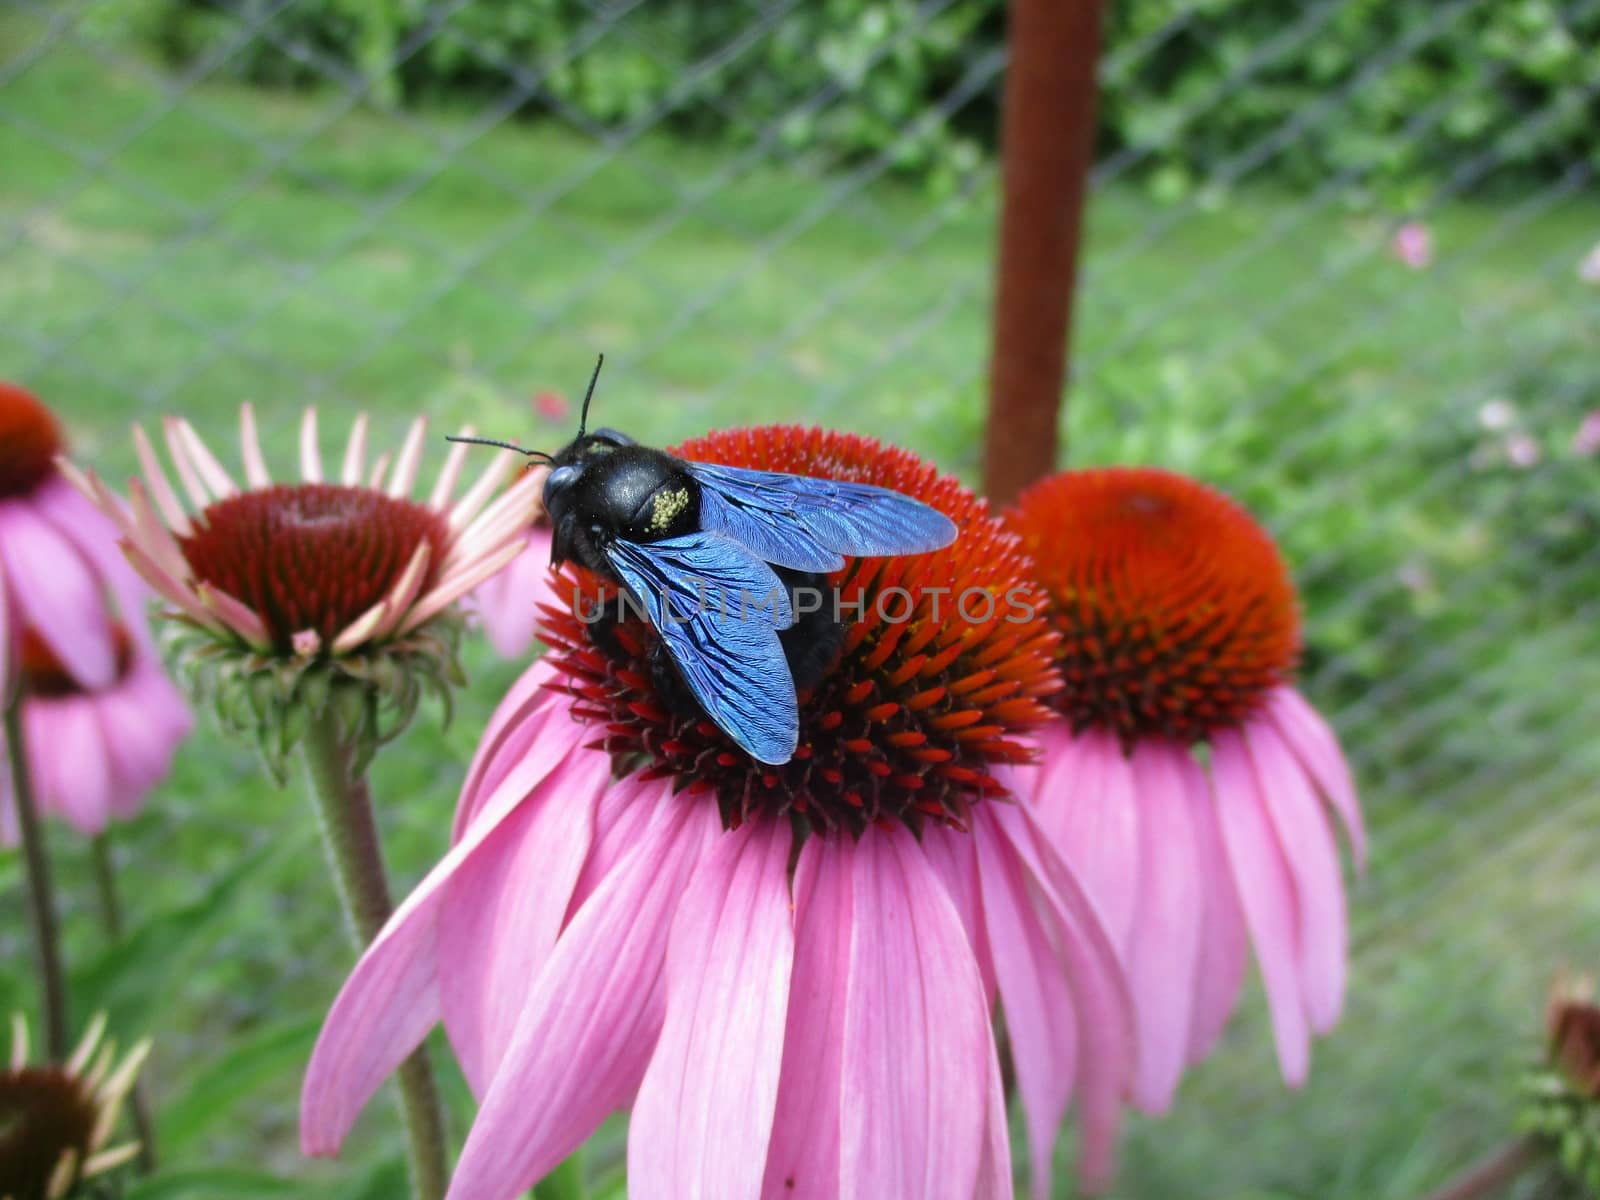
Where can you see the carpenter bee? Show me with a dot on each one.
(716, 556)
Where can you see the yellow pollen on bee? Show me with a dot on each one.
(668, 505)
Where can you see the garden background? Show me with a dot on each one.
(771, 210)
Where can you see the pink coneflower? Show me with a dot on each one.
(1412, 244)
(94, 755)
(317, 583)
(1586, 441)
(1186, 779)
(508, 603)
(59, 566)
(788, 971)
(1589, 266)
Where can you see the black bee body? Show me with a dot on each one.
(604, 486)
(730, 566)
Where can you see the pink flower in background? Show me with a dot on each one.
(787, 971)
(60, 571)
(552, 406)
(508, 603)
(94, 755)
(1522, 450)
(1589, 268)
(1586, 441)
(1412, 244)
(1187, 780)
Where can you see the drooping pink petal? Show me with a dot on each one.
(391, 998)
(1163, 953)
(1314, 743)
(954, 858)
(1095, 816)
(75, 515)
(1102, 1002)
(508, 604)
(1038, 999)
(1267, 896)
(1224, 943)
(703, 1118)
(994, 1168)
(57, 594)
(67, 753)
(1057, 774)
(803, 1155)
(515, 725)
(916, 1033)
(591, 1018)
(1313, 859)
(498, 921)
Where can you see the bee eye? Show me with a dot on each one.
(561, 479)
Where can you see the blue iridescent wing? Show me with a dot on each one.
(718, 609)
(810, 524)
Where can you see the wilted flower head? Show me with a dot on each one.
(295, 599)
(56, 1120)
(788, 971)
(60, 572)
(1561, 1096)
(1412, 244)
(94, 755)
(1186, 778)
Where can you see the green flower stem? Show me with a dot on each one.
(105, 887)
(41, 891)
(350, 834)
(1491, 1176)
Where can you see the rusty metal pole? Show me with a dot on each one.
(1046, 150)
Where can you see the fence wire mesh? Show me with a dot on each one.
(202, 203)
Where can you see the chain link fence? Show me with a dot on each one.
(1358, 292)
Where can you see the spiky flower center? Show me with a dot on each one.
(45, 675)
(1176, 611)
(312, 555)
(30, 439)
(45, 1113)
(942, 657)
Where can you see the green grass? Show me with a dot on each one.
(249, 244)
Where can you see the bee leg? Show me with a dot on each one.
(670, 688)
(812, 644)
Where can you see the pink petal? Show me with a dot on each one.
(310, 454)
(994, 1168)
(1038, 1001)
(391, 998)
(512, 729)
(77, 782)
(1314, 743)
(499, 921)
(591, 1018)
(96, 539)
(57, 594)
(1095, 817)
(1266, 893)
(1224, 942)
(1313, 860)
(355, 452)
(917, 1038)
(1163, 953)
(1102, 1003)
(704, 1114)
(803, 1155)
(954, 858)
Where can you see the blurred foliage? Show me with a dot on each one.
(1421, 89)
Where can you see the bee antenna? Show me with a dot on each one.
(583, 419)
(478, 441)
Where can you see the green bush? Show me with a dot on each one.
(1401, 93)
